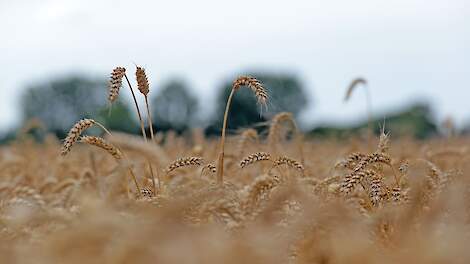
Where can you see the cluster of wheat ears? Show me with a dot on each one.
(248, 198)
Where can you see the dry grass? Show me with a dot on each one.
(404, 201)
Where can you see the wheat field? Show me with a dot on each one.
(273, 197)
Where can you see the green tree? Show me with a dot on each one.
(59, 103)
(119, 118)
(173, 107)
(286, 93)
(415, 121)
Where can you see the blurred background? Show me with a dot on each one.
(56, 57)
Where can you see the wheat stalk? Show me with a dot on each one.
(75, 133)
(144, 88)
(352, 87)
(274, 134)
(261, 96)
(101, 143)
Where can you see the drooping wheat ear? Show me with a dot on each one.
(254, 84)
(376, 158)
(351, 161)
(144, 88)
(352, 180)
(289, 162)
(262, 97)
(115, 83)
(184, 162)
(356, 82)
(75, 133)
(253, 158)
(246, 135)
(274, 135)
(101, 143)
(371, 159)
(258, 192)
(352, 86)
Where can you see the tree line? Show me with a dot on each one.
(60, 102)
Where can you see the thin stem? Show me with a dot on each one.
(153, 177)
(369, 116)
(149, 117)
(135, 180)
(137, 107)
(124, 155)
(220, 164)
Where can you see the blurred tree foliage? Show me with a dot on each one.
(120, 118)
(286, 93)
(174, 107)
(59, 103)
(415, 121)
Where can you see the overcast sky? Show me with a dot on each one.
(408, 50)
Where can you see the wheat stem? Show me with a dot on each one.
(220, 164)
(137, 108)
(149, 117)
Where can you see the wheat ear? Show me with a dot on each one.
(253, 158)
(101, 143)
(274, 134)
(74, 134)
(184, 162)
(261, 96)
(288, 162)
(144, 88)
(115, 83)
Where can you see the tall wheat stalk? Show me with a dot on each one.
(261, 96)
(352, 87)
(144, 88)
(137, 108)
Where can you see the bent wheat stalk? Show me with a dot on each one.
(261, 96)
(75, 133)
(352, 87)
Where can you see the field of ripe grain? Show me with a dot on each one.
(274, 197)
(342, 205)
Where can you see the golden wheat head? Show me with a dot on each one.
(184, 162)
(75, 133)
(288, 162)
(142, 81)
(101, 143)
(253, 158)
(115, 83)
(254, 84)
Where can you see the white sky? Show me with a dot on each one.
(407, 49)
